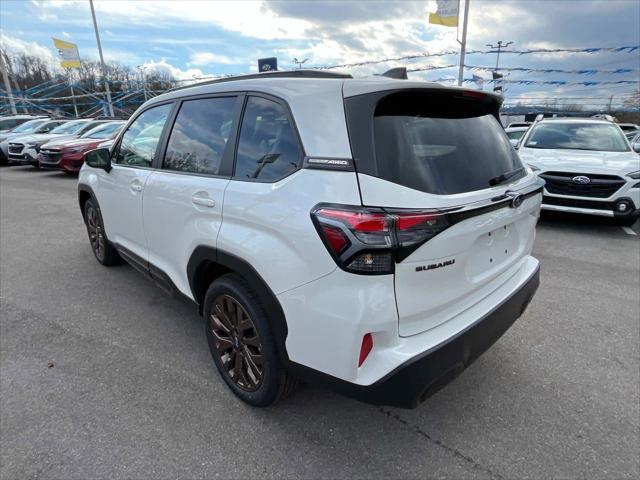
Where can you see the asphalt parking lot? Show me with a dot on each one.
(103, 376)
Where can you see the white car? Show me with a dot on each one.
(371, 235)
(588, 165)
(515, 134)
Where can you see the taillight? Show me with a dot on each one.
(370, 240)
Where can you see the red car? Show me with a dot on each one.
(67, 155)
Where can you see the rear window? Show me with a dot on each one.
(440, 142)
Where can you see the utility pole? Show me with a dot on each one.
(7, 84)
(144, 80)
(104, 73)
(463, 43)
(610, 102)
(497, 76)
(73, 95)
(499, 46)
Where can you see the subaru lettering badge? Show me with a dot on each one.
(581, 179)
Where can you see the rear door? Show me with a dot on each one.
(184, 196)
(444, 150)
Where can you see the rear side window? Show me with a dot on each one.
(436, 142)
(139, 142)
(268, 147)
(200, 134)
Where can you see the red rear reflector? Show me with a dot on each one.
(365, 349)
(335, 238)
(406, 222)
(359, 221)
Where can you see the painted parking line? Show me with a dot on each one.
(629, 231)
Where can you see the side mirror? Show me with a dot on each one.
(636, 147)
(98, 158)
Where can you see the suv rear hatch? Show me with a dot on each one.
(442, 155)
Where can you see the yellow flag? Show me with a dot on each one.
(69, 55)
(446, 13)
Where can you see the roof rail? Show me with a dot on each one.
(300, 73)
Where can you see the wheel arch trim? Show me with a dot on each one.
(82, 190)
(205, 257)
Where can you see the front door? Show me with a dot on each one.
(122, 189)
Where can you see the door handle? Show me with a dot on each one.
(136, 187)
(203, 201)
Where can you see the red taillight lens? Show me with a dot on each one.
(368, 240)
(359, 221)
(335, 238)
(365, 348)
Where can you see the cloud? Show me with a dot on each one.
(177, 73)
(17, 46)
(66, 35)
(207, 58)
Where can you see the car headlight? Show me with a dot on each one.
(75, 149)
(634, 175)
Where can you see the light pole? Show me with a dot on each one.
(104, 73)
(299, 62)
(144, 80)
(463, 43)
(7, 85)
(499, 46)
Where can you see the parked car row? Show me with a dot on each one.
(55, 143)
(589, 165)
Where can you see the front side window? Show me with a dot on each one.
(139, 142)
(268, 148)
(601, 137)
(48, 127)
(200, 134)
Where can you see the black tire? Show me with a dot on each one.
(100, 245)
(249, 337)
(626, 222)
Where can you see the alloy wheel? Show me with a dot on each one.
(96, 234)
(236, 343)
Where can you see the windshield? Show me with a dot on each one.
(600, 137)
(69, 127)
(517, 135)
(103, 131)
(28, 126)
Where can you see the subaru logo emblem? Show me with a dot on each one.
(581, 179)
(516, 199)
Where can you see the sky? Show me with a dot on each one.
(201, 38)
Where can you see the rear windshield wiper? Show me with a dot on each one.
(505, 176)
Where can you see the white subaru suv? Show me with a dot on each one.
(370, 235)
(588, 165)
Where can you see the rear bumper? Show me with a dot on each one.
(423, 375)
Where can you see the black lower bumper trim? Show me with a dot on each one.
(422, 376)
